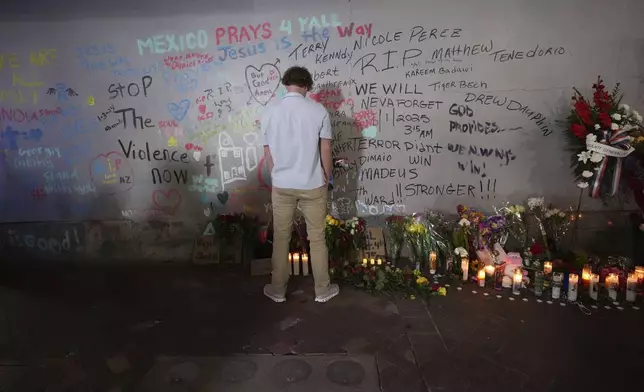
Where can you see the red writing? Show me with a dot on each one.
(191, 146)
(168, 124)
(359, 30)
(328, 98)
(17, 115)
(241, 34)
(364, 119)
(190, 60)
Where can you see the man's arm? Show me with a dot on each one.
(326, 153)
(268, 158)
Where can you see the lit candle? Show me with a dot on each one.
(489, 270)
(517, 280)
(296, 264)
(305, 264)
(639, 272)
(631, 288)
(573, 287)
(547, 267)
(364, 261)
(594, 286)
(557, 281)
(465, 266)
(432, 263)
(611, 285)
(373, 261)
(481, 277)
(585, 273)
(290, 263)
(379, 261)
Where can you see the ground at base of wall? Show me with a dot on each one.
(105, 330)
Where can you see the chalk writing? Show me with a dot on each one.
(169, 43)
(133, 89)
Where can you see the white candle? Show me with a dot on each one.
(305, 264)
(639, 272)
(290, 263)
(557, 280)
(481, 277)
(594, 286)
(631, 288)
(517, 280)
(573, 287)
(489, 270)
(379, 261)
(373, 261)
(365, 261)
(432, 263)
(296, 264)
(547, 267)
(465, 266)
(611, 285)
(585, 273)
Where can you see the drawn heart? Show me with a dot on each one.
(167, 200)
(111, 173)
(223, 197)
(370, 132)
(196, 155)
(263, 82)
(250, 138)
(179, 110)
(202, 109)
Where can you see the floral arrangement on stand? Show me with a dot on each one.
(600, 136)
(416, 237)
(466, 235)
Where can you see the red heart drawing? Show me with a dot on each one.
(167, 200)
(202, 109)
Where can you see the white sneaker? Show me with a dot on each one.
(333, 290)
(270, 293)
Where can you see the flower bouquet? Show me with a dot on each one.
(467, 235)
(556, 223)
(417, 241)
(439, 234)
(600, 138)
(396, 229)
(336, 237)
(516, 223)
(356, 231)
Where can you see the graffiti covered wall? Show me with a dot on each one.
(120, 129)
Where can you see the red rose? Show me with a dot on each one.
(536, 249)
(579, 131)
(435, 287)
(604, 119)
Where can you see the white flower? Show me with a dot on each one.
(614, 127)
(352, 232)
(587, 174)
(562, 214)
(596, 157)
(582, 185)
(548, 214)
(597, 128)
(616, 116)
(637, 116)
(590, 138)
(461, 252)
(625, 107)
(535, 202)
(584, 156)
(464, 222)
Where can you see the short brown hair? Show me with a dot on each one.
(298, 76)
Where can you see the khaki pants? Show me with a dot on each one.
(313, 205)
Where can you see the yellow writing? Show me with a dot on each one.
(42, 57)
(17, 96)
(207, 130)
(19, 81)
(245, 120)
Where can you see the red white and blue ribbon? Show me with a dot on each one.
(616, 145)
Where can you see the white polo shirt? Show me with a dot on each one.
(292, 128)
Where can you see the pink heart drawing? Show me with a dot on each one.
(167, 201)
(202, 109)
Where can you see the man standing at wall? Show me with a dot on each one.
(297, 148)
